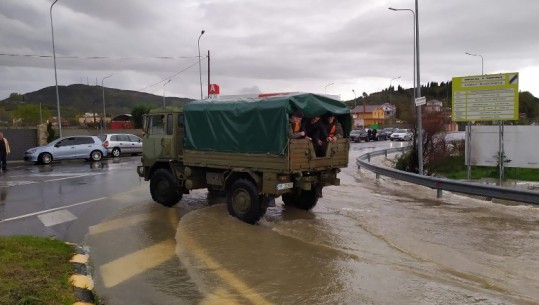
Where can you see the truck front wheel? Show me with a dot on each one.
(243, 202)
(163, 188)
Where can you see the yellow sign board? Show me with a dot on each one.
(489, 97)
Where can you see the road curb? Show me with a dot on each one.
(82, 279)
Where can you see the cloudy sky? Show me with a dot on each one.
(332, 46)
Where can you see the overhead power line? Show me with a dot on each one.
(96, 57)
(172, 76)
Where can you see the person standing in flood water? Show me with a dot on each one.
(4, 151)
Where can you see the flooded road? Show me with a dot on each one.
(368, 241)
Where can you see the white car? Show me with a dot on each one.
(401, 135)
(121, 143)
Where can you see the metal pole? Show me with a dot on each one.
(501, 165)
(419, 114)
(469, 145)
(199, 65)
(355, 98)
(59, 119)
(469, 151)
(164, 92)
(208, 73)
(417, 85)
(104, 119)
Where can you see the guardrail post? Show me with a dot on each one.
(369, 157)
(385, 153)
(438, 193)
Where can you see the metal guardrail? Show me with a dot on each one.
(445, 184)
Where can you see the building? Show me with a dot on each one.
(123, 121)
(373, 115)
(89, 118)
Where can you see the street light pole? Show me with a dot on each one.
(419, 114)
(59, 119)
(164, 91)
(104, 119)
(355, 98)
(199, 64)
(390, 87)
(481, 60)
(469, 134)
(326, 88)
(417, 85)
(413, 42)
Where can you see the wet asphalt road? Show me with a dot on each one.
(63, 199)
(368, 241)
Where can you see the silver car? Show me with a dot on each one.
(121, 143)
(401, 135)
(75, 147)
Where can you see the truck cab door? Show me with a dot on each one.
(158, 137)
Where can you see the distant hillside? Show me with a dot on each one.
(79, 98)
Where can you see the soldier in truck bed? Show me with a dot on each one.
(295, 128)
(334, 128)
(315, 131)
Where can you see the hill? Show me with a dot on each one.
(78, 99)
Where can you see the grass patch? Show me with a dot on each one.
(35, 271)
(454, 168)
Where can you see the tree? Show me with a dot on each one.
(29, 113)
(16, 97)
(138, 112)
(529, 105)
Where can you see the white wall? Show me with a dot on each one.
(521, 146)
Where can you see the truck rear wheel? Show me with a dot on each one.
(243, 202)
(306, 200)
(163, 188)
(289, 199)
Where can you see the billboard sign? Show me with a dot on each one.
(213, 89)
(489, 97)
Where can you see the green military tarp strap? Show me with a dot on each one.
(255, 125)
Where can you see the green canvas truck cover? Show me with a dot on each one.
(253, 125)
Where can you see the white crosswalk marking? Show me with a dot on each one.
(57, 217)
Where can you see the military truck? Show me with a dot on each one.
(240, 148)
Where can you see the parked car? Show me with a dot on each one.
(381, 135)
(120, 143)
(75, 147)
(354, 135)
(401, 135)
(388, 131)
(364, 135)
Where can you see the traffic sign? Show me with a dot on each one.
(420, 101)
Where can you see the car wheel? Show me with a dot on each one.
(45, 158)
(96, 155)
(116, 152)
